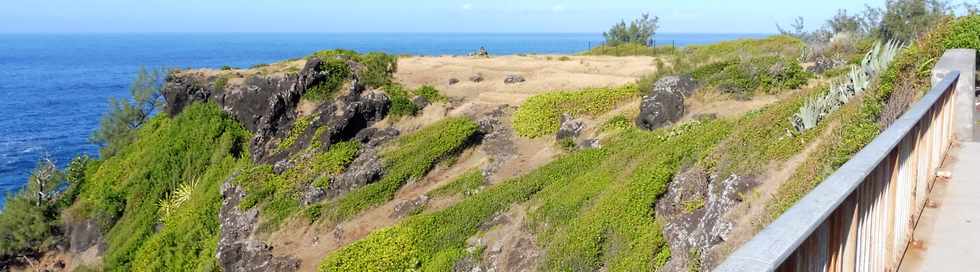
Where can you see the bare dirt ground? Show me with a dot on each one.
(543, 74)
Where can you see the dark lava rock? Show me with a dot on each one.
(372, 137)
(665, 103)
(478, 77)
(367, 167)
(409, 207)
(453, 81)
(84, 235)
(695, 210)
(511, 79)
(569, 128)
(420, 101)
(266, 105)
(237, 248)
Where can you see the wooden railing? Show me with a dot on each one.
(861, 218)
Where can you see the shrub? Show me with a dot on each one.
(28, 221)
(540, 115)
(430, 93)
(118, 126)
(377, 68)
(401, 102)
(744, 77)
(337, 72)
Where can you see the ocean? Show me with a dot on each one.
(54, 87)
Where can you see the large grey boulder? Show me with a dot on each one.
(664, 105)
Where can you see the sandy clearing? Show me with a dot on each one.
(543, 73)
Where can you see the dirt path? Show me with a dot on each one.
(752, 214)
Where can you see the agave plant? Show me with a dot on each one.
(857, 80)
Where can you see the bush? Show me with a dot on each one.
(377, 68)
(337, 72)
(29, 219)
(630, 49)
(401, 102)
(540, 115)
(744, 77)
(430, 93)
(118, 126)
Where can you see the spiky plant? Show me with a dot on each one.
(169, 205)
(857, 80)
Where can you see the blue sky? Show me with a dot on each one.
(700, 16)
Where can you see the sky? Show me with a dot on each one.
(470, 16)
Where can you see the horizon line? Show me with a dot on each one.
(371, 32)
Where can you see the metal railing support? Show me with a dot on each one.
(861, 217)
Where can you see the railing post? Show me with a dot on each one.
(964, 97)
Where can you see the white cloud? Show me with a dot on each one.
(467, 6)
(558, 8)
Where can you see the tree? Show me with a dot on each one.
(28, 222)
(796, 31)
(844, 23)
(905, 19)
(118, 126)
(639, 31)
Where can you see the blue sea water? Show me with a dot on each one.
(54, 87)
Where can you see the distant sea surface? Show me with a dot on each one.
(54, 87)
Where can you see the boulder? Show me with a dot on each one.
(665, 103)
(238, 250)
(569, 127)
(511, 79)
(478, 77)
(420, 101)
(683, 85)
(453, 81)
(695, 214)
(660, 109)
(409, 207)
